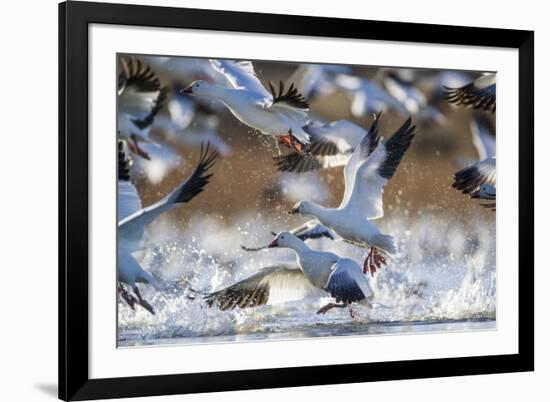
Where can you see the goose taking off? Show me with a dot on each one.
(140, 98)
(478, 179)
(331, 145)
(318, 273)
(133, 219)
(280, 113)
(372, 164)
(478, 94)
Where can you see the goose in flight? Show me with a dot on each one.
(479, 94)
(322, 274)
(133, 219)
(478, 179)
(140, 98)
(331, 145)
(281, 113)
(190, 122)
(372, 164)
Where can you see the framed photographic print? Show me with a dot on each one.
(258, 201)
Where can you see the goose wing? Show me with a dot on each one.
(482, 138)
(128, 200)
(331, 145)
(185, 192)
(478, 94)
(471, 177)
(267, 286)
(347, 283)
(140, 95)
(370, 168)
(241, 75)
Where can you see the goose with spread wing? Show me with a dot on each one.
(281, 113)
(479, 94)
(331, 145)
(133, 219)
(372, 164)
(322, 274)
(140, 98)
(478, 179)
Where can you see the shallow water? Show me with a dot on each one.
(443, 279)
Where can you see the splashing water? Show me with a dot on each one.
(443, 278)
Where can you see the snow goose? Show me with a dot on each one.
(371, 166)
(367, 96)
(317, 80)
(133, 219)
(478, 94)
(479, 181)
(401, 85)
(340, 278)
(190, 122)
(331, 145)
(140, 98)
(280, 113)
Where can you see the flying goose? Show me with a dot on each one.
(478, 94)
(372, 164)
(140, 98)
(281, 113)
(319, 273)
(133, 219)
(478, 179)
(331, 145)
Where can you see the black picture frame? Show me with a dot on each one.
(74, 18)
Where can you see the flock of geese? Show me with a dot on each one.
(282, 113)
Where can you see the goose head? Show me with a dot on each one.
(284, 239)
(200, 88)
(302, 207)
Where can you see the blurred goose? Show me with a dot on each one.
(280, 113)
(133, 219)
(321, 273)
(190, 122)
(401, 85)
(479, 94)
(372, 164)
(140, 98)
(331, 145)
(367, 96)
(317, 80)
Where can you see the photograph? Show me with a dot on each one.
(262, 200)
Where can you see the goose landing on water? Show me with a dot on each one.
(320, 274)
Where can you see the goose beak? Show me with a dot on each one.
(188, 90)
(273, 244)
(293, 211)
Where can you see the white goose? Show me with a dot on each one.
(140, 98)
(319, 273)
(366, 173)
(331, 145)
(281, 114)
(478, 179)
(133, 219)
